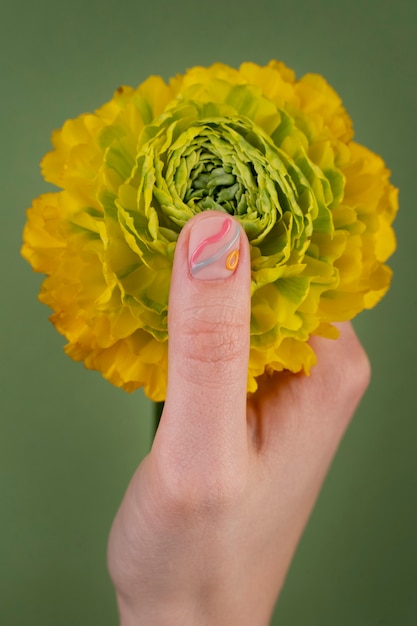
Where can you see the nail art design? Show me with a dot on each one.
(214, 248)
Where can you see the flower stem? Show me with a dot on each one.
(158, 408)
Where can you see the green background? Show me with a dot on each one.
(69, 440)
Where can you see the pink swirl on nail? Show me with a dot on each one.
(209, 240)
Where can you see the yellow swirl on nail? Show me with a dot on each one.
(232, 260)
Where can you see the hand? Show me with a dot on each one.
(211, 519)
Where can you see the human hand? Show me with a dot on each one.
(211, 519)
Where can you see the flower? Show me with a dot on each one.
(275, 152)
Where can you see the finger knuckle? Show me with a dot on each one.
(357, 371)
(200, 487)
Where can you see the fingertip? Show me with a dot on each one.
(213, 246)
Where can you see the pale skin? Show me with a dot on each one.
(211, 519)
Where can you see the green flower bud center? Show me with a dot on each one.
(213, 185)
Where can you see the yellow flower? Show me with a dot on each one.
(275, 152)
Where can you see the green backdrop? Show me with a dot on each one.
(69, 440)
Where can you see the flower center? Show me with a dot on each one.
(213, 185)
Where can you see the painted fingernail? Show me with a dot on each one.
(214, 247)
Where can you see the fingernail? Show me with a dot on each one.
(214, 247)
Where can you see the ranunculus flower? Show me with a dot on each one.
(275, 152)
